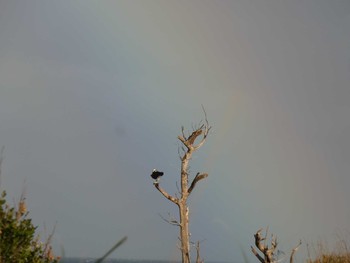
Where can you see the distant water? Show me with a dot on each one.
(91, 260)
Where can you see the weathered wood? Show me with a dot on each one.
(257, 255)
(267, 252)
(291, 259)
(198, 257)
(171, 198)
(188, 149)
(195, 180)
(269, 256)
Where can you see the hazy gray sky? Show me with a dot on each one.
(93, 95)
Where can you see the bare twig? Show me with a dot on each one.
(291, 259)
(198, 258)
(171, 222)
(183, 131)
(48, 240)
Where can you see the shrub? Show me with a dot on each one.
(18, 242)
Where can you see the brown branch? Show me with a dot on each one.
(188, 142)
(195, 180)
(257, 255)
(163, 192)
(258, 240)
(205, 134)
(182, 139)
(194, 136)
(293, 252)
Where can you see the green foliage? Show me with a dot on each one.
(18, 243)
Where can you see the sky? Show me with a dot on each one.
(93, 95)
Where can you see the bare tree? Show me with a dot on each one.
(269, 255)
(189, 146)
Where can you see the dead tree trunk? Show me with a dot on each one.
(269, 252)
(188, 148)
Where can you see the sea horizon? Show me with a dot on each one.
(116, 260)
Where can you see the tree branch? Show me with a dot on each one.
(257, 255)
(206, 128)
(189, 141)
(293, 252)
(258, 240)
(182, 139)
(268, 252)
(171, 222)
(194, 135)
(198, 258)
(163, 192)
(195, 180)
(183, 131)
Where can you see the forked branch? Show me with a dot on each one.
(268, 253)
(188, 141)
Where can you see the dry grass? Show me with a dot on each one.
(340, 253)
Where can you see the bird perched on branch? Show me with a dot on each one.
(156, 175)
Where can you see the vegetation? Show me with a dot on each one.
(340, 254)
(18, 242)
(332, 258)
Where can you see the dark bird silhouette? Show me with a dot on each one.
(156, 175)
